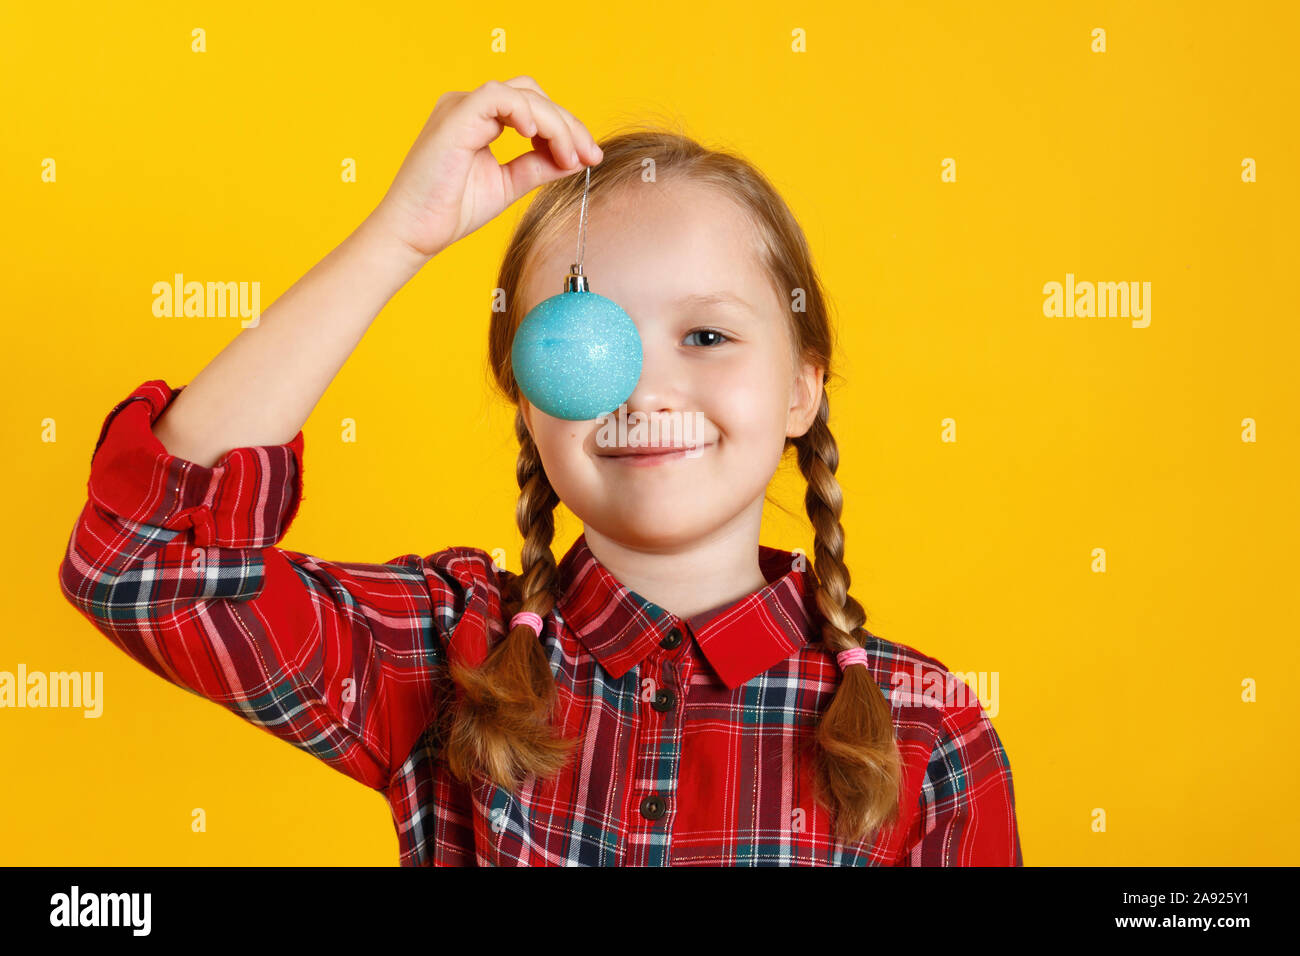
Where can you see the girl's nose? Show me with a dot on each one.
(660, 387)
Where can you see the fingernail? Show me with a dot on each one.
(573, 158)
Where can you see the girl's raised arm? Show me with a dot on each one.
(262, 387)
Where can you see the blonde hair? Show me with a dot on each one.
(500, 726)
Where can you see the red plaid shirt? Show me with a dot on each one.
(694, 731)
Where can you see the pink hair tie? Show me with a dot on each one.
(854, 655)
(531, 618)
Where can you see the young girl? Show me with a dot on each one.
(670, 692)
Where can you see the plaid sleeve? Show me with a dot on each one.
(175, 563)
(967, 812)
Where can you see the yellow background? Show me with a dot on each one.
(1119, 691)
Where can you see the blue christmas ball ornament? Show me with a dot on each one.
(577, 355)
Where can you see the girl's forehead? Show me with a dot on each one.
(654, 249)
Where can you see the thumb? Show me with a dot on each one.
(529, 170)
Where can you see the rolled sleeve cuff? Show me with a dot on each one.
(247, 499)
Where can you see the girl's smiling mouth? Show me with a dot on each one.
(646, 455)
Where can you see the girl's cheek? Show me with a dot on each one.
(746, 394)
(734, 379)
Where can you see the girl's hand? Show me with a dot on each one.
(450, 183)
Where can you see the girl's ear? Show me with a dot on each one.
(805, 399)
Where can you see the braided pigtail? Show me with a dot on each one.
(858, 767)
(501, 726)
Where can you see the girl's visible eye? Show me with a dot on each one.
(718, 337)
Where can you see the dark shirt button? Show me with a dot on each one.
(673, 639)
(664, 700)
(653, 807)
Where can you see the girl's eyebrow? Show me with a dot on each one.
(714, 298)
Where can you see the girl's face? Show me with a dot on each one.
(718, 370)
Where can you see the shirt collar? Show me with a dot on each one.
(740, 640)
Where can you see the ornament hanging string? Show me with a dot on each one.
(582, 222)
